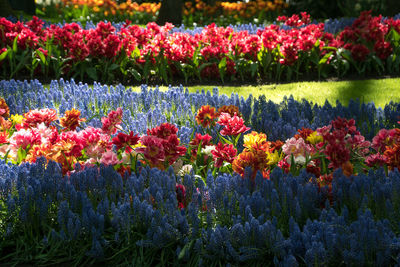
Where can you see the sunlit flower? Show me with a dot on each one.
(24, 138)
(153, 150)
(255, 141)
(3, 137)
(206, 116)
(295, 147)
(207, 150)
(112, 121)
(163, 131)
(273, 157)
(4, 124)
(392, 156)
(230, 109)
(125, 140)
(233, 125)
(71, 119)
(16, 119)
(223, 152)
(4, 109)
(205, 140)
(36, 116)
(256, 160)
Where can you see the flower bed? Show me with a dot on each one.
(221, 190)
(133, 54)
(194, 12)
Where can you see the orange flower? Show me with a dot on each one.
(4, 109)
(71, 119)
(256, 141)
(206, 116)
(231, 109)
(392, 155)
(4, 124)
(347, 168)
(257, 160)
(61, 153)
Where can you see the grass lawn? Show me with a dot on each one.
(379, 91)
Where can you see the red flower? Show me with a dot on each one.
(383, 49)
(3, 138)
(163, 131)
(125, 140)
(359, 52)
(206, 116)
(35, 117)
(223, 152)
(205, 140)
(303, 133)
(172, 149)
(233, 125)
(181, 196)
(153, 150)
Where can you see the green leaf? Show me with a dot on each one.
(346, 55)
(329, 48)
(163, 72)
(15, 47)
(202, 66)
(253, 68)
(21, 155)
(226, 140)
(135, 74)
(184, 249)
(222, 63)
(113, 66)
(325, 58)
(41, 56)
(317, 43)
(135, 53)
(92, 73)
(3, 55)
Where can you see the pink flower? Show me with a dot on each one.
(295, 147)
(233, 125)
(112, 121)
(24, 137)
(375, 160)
(109, 158)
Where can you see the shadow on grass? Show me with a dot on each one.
(363, 90)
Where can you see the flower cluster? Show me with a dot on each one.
(211, 53)
(214, 208)
(199, 11)
(41, 133)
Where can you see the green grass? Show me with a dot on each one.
(379, 91)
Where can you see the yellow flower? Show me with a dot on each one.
(315, 138)
(16, 119)
(274, 158)
(254, 140)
